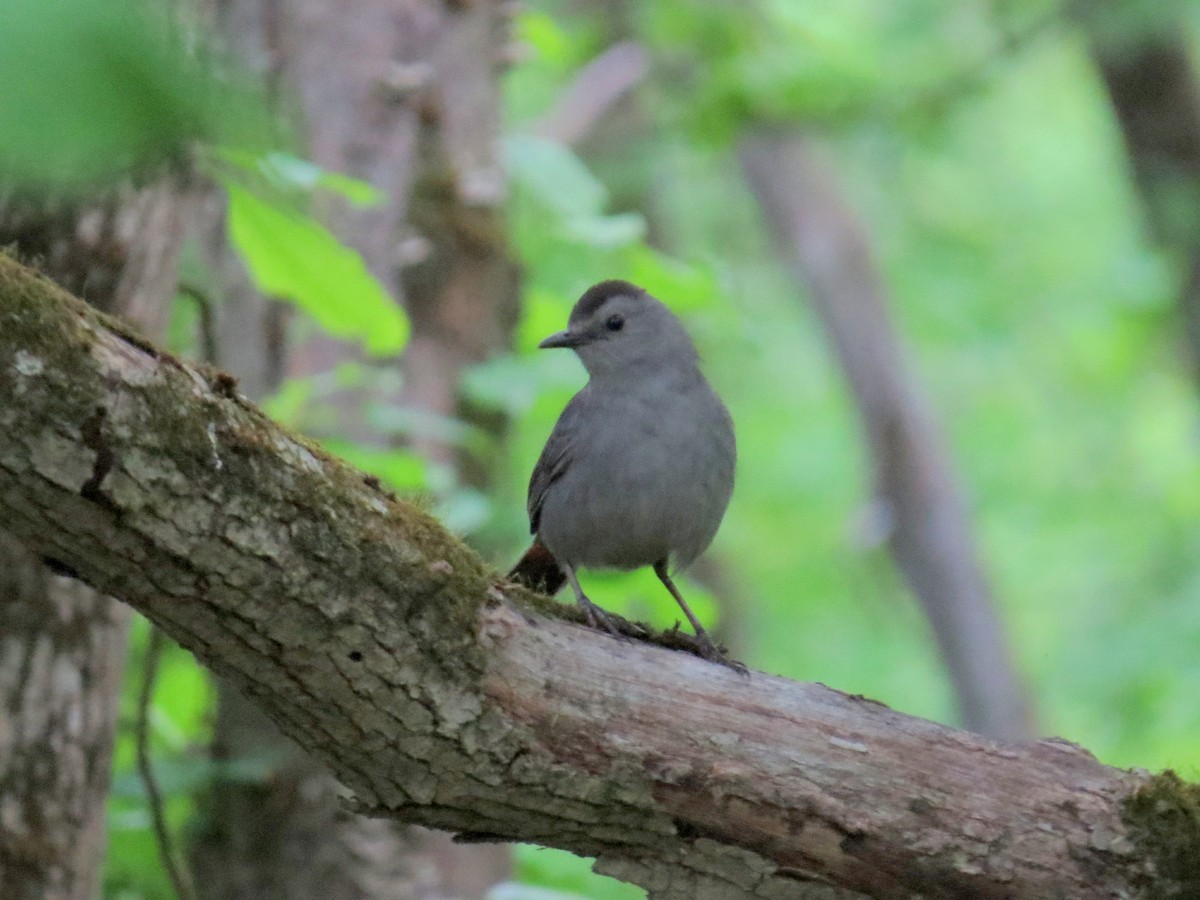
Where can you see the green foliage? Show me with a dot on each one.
(559, 220)
(294, 257)
(179, 733)
(398, 469)
(570, 193)
(96, 90)
(1164, 822)
(568, 874)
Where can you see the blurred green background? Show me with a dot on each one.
(977, 144)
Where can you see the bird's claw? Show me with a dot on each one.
(713, 653)
(599, 619)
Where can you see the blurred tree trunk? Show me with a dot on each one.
(62, 645)
(403, 95)
(459, 282)
(1153, 84)
(919, 503)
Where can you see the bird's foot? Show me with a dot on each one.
(598, 618)
(710, 651)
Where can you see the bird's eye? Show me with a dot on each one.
(615, 323)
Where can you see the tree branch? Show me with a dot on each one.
(923, 513)
(596, 88)
(442, 695)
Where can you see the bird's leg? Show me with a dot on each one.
(709, 650)
(596, 617)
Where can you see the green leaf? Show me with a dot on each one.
(563, 871)
(560, 182)
(556, 175)
(287, 171)
(291, 256)
(606, 231)
(288, 402)
(544, 35)
(684, 286)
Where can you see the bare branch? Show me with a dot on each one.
(443, 696)
(595, 89)
(924, 516)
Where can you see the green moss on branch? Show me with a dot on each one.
(1164, 822)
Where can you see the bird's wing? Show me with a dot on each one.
(556, 457)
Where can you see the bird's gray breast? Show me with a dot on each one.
(650, 474)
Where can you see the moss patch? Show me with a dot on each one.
(1164, 822)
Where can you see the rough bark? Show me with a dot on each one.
(918, 499)
(286, 835)
(441, 695)
(1154, 87)
(403, 95)
(290, 835)
(62, 645)
(61, 658)
(459, 284)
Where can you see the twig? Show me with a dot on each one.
(208, 330)
(178, 874)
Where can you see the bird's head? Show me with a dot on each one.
(618, 328)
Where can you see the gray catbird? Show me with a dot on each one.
(639, 468)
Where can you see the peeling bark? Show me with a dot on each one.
(441, 695)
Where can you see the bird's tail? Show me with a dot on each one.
(538, 570)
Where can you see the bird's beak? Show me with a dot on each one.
(563, 339)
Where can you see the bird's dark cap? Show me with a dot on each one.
(593, 298)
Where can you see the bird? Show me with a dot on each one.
(639, 469)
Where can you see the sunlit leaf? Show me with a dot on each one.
(544, 35)
(294, 257)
